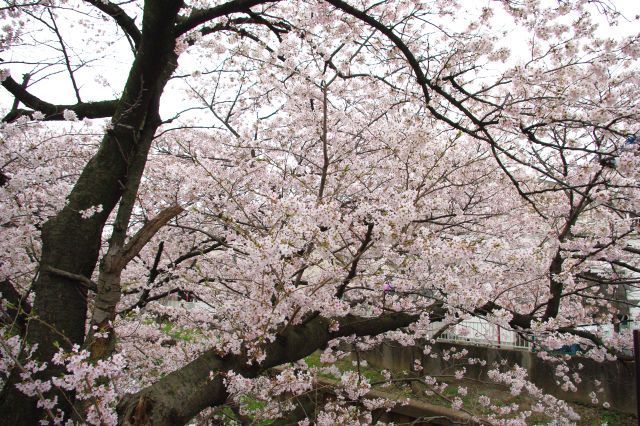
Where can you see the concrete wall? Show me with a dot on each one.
(616, 377)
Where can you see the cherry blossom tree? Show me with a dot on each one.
(312, 174)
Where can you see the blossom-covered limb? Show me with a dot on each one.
(180, 395)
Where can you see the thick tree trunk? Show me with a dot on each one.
(71, 243)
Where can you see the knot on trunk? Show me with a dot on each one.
(135, 410)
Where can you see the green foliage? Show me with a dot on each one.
(252, 405)
(184, 334)
(371, 374)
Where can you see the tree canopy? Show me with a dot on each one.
(310, 174)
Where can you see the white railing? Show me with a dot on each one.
(480, 332)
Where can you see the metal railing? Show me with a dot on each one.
(478, 332)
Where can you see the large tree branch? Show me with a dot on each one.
(100, 109)
(523, 322)
(179, 396)
(596, 340)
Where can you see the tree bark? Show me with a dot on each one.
(109, 289)
(71, 243)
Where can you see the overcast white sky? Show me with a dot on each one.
(60, 90)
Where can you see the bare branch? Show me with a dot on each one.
(123, 20)
(100, 109)
(411, 59)
(17, 307)
(142, 237)
(81, 279)
(356, 259)
(67, 61)
(201, 16)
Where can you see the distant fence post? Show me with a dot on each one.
(636, 354)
